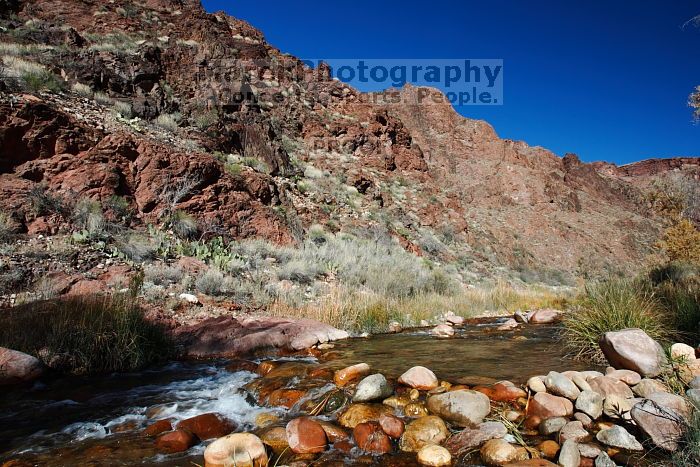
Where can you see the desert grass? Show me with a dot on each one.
(85, 335)
(360, 312)
(612, 305)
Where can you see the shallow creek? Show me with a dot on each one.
(97, 421)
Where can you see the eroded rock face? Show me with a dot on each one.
(633, 349)
(17, 367)
(227, 336)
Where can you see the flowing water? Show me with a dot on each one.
(97, 421)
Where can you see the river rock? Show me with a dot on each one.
(371, 388)
(392, 425)
(442, 330)
(395, 327)
(18, 367)
(573, 431)
(552, 426)
(207, 426)
(351, 374)
(618, 437)
(276, 438)
(683, 351)
(647, 387)
(603, 460)
(617, 407)
(560, 385)
(370, 438)
(334, 433)
(590, 403)
(239, 449)
(361, 413)
(415, 409)
(544, 316)
(569, 455)
(464, 407)
(633, 349)
(306, 436)
(419, 377)
(454, 319)
(520, 317)
(585, 420)
(422, 432)
(628, 377)
(548, 448)
(580, 381)
(176, 441)
(434, 456)
(466, 440)
(500, 452)
(285, 397)
(508, 325)
(532, 463)
(663, 424)
(607, 386)
(589, 450)
(502, 392)
(536, 384)
(546, 406)
(157, 428)
(694, 383)
(693, 396)
(672, 402)
(232, 336)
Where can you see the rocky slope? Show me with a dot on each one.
(166, 106)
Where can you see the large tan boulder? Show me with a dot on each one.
(464, 407)
(633, 349)
(423, 432)
(239, 449)
(17, 367)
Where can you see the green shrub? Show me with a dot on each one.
(688, 452)
(613, 305)
(168, 122)
(211, 282)
(41, 81)
(82, 90)
(42, 202)
(6, 228)
(85, 335)
(123, 108)
(87, 214)
(163, 275)
(137, 248)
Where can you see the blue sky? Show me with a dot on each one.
(605, 79)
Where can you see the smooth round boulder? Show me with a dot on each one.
(607, 386)
(536, 384)
(434, 456)
(392, 425)
(361, 413)
(573, 431)
(569, 455)
(500, 452)
(464, 407)
(442, 330)
(334, 433)
(370, 438)
(552, 426)
(633, 349)
(545, 406)
(18, 367)
(661, 420)
(207, 426)
(647, 387)
(548, 448)
(468, 439)
(239, 449)
(628, 377)
(420, 378)
(175, 441)
(306, 436)
(371, 388)
(683, 352)
(560, 385)
(422, 432)
(350, 374)
(276, 438)
(544, 316)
